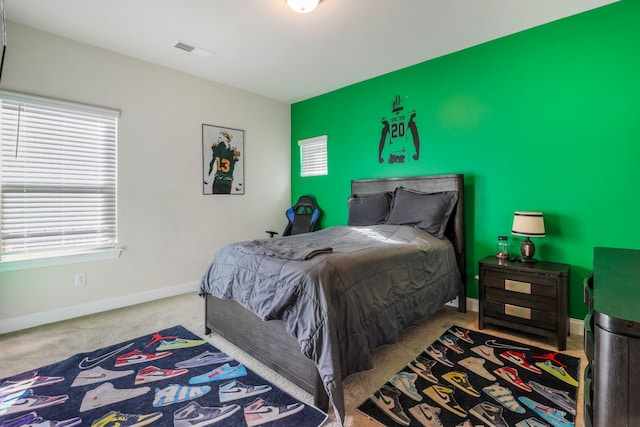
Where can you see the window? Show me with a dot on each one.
(57, 177)
(313, 156)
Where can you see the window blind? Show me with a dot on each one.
(57, 177)
(313, 156)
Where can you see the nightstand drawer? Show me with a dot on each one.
(530, 284)
(537, 302)
(520, 314)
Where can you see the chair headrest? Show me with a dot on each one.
(307, 200)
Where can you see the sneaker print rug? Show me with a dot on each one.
(169, 378)
(466, 379)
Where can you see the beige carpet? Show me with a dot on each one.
(32, 348)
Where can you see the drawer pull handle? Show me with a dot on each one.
(515, 286)
(517, 311)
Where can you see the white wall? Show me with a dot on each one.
(168, 229)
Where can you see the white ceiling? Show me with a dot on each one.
(264, 47)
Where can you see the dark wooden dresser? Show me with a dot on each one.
(612, 339)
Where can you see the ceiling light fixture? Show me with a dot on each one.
(303, 6)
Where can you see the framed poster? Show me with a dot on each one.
(222, 160)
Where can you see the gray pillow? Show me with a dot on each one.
(369, 209)
(428, 211)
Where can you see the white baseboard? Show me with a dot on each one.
(576, 326)
(44, 317)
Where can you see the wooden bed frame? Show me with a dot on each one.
(271, 344)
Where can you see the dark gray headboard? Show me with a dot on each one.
(430, 184)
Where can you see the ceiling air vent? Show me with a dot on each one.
(184, 46)
(187, 47)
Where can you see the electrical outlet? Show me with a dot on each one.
(81, 279)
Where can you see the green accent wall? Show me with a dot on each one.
(547, 120)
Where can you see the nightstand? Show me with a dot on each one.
(527, 297)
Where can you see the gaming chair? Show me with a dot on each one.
(302, 217)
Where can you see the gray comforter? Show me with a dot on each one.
(341, 291)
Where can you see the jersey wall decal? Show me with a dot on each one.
(399, 138)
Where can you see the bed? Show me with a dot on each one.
(314, 306)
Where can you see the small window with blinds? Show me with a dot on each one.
(313, 156)
(57, 177)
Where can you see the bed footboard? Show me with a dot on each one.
(267, 341)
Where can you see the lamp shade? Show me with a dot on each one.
(530, 224)
(303, 6)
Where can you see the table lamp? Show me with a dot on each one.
(528, 224)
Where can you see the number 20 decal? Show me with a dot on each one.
(397, 130)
